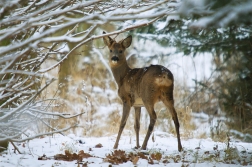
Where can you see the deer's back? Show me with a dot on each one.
(145, 83)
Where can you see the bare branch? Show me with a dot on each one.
(97, 37)
(62, 115)
(26, 103)
(12, 138)
(32, 32)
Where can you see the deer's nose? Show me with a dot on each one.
(115, 58)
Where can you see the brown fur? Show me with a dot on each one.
(140, 87)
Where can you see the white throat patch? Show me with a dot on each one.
(114, 62)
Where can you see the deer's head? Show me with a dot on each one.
(117, 49)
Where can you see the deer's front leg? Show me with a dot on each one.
(125, 115)
(137, 124)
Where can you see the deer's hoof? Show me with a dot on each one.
(143, 148)
(137, 147)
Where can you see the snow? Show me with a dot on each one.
(162, 25)
(195, 151)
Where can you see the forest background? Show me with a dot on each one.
(55, 76)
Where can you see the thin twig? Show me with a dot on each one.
(15, 147)
(97, 37)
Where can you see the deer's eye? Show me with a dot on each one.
(120, 51)
(110, 50)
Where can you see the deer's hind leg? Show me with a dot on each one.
(153, 117)
(169, 103)
(149, 97)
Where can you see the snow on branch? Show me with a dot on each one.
(226, 15)
(31, 32)
(57, 20)
(56, 113)
(15, 139)
(97, 37)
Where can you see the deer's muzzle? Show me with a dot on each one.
(115, 59)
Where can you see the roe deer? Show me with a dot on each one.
(140, 87)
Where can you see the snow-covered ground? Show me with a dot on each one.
(197, 152)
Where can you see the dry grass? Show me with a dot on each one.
(187, 124)
(93, 91)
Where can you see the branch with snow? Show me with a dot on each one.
(32, 32)
(223, 16)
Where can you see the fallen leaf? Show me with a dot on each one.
(156, 156)
(135, 160)
(98, 145)
(165, 161)
(141, 155)
(150, 161)
(71, 157)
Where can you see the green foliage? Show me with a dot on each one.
(213, 40)
(236, 90)
(230, 47)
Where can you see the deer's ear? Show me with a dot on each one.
(107, 40)
(127, 41)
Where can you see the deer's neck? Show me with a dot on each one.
(120, 72)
